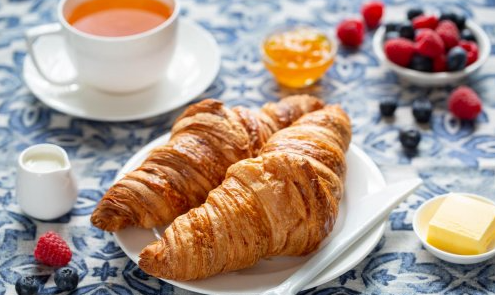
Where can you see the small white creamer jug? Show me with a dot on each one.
(45, 186)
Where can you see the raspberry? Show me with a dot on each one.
(429, 44)
(440, 63)
(471, 50)
(351, 32)
(425, 22)
(52, 250)
(464, 103)
(447, 30)
(399, 51)
(372, 13)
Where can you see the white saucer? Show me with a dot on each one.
(363, 177)
(194, 67)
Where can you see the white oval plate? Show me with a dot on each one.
(363, 177)
(195, 65)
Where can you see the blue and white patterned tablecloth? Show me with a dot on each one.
(454, 155)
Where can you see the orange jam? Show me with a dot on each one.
(298, 57)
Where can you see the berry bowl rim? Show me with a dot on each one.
(440, 78)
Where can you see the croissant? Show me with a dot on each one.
(284, 202)
(205, 140)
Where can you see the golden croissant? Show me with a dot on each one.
(205, 140)
(284, 202)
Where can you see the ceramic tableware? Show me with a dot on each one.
(195, 65)
(113, 64)
(363, 177)
(423, 216)
(45, 186)
(436, 79)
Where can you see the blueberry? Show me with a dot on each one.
(448, 15)
(422, 109)
(421, 63)
(388, 105)
(413, 12)
(391, 35)
(392, 27)
(27, 286)
(456, 59)
(66, 278)
(410, 139)
(406, 30)
(466, 34)
(458, 19)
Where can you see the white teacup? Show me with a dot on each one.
(45, 187)
(112, 64)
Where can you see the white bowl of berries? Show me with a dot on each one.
(432, 50)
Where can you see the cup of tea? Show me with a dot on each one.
(113, 45)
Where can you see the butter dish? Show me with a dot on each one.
(425, 213)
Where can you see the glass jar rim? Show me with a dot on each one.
(282, 29)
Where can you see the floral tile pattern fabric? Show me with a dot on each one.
(453, 155)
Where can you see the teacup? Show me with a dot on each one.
(45, 186)
(113, 64)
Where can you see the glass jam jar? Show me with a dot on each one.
(298, 57)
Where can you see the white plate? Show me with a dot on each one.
(363, 177)
(194, 67)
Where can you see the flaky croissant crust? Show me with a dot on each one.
(284, 202)
(205, 140)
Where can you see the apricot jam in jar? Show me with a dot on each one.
(298, 57)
